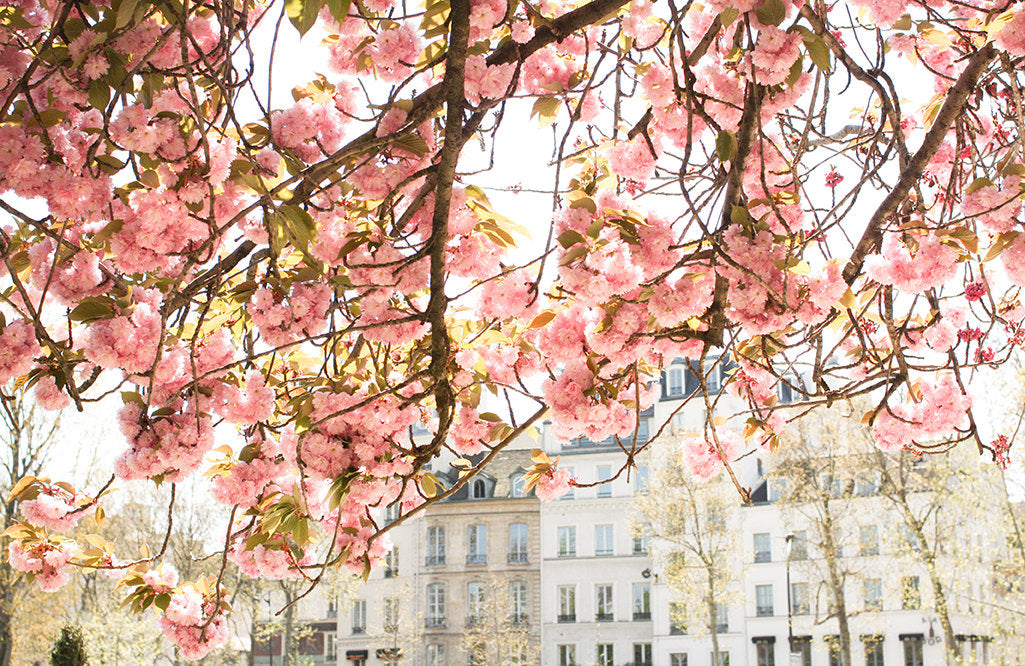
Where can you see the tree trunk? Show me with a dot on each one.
(836, 581)
(713, 617)
(6, 612)
(938, 593)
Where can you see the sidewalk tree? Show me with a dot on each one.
(337, 274)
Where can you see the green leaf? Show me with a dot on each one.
(795, 72)
(92, 309)
(570, 238)
(125, 11)
(978, 184)
(339, 9)
(303, 13)
(772, 12)
(817, 49)
(162, 601)
(726, 145)
(99, 94)
(546, 109)
(728, 16)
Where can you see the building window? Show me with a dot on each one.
(435, 545)
(722, 618)
(477, 544)
(677, 619)
(479, 489)
(641, 479)
(913, 648)
(474, 603)
(603, 540)
(802, 645)
(865, 484)
(642, 537)
(678, 659)
(799, 546)
(642, 654)
(391, 563)
(605, 655)
(869, 540)
(873, 650)
(391, 615)
(517, 543)
(763, 547)
(765, 652)
(763, 601)
(567, 655)
(800, 602)
(391, 513)
(642, 601)
(330, 646)
(567, 603)
(873, 588)
(723, 660)
(567, 542)
(436, 605)
(906, 537)
(834, 649)
(912, 597)
(603, 603)
(436, 655)
(604, 474)
(674, 381)
(516, 485)
(359, 616)
(518, 601)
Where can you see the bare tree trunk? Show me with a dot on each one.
(836, 583)
(713, 618)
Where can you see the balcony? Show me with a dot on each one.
(604, 617)
(518, 618)
(435, 623)
(676, 630)
(641, 616)
(477, 558)
(474, 621)
(571, 617)
(764, 611)
(722, 628)
(391, 572)
(518, 558)
(436, 560)
(356, 631)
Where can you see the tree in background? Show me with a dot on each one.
(696, 534)
(69, 650)
(27, 437)
(331, 277)
(496, 633)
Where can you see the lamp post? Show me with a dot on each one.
(795, 658)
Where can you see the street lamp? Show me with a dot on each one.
(795, 657)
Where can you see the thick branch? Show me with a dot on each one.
(951, 109)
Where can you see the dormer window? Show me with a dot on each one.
(479, 489)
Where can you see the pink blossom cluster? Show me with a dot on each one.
(1011, 37)
(248, 404)
(48, 562)
(932, 264)
(884, 13)
(282, 322)
(704, 459)
(51, 508)
(69, 281)
(162, 446)
(18, 349)
(48, 395)
(553, 484)
(193, 622)
(941, 409)
(774, 53)
(130, 340)
(264, 562)
(266, 463)
(995, 207)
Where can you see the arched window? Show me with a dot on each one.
(479, 489)
(516, 485)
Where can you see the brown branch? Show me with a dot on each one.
(952, 107)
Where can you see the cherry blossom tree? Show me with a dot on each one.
(828, 194)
